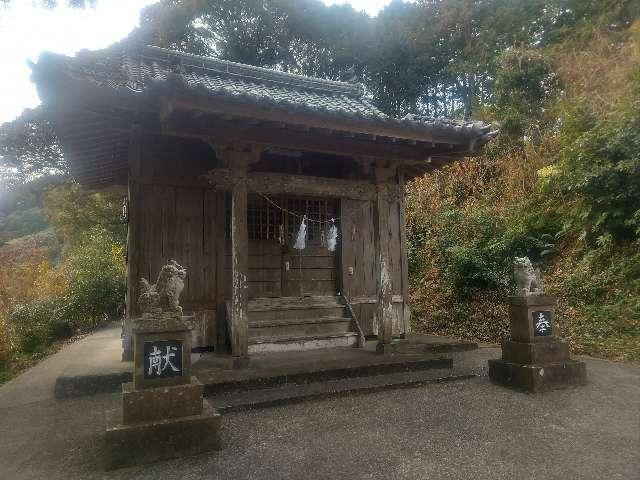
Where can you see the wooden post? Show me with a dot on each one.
(133, 238)
(384, 294)
(238, 158)
(406, 311)
(239, 266)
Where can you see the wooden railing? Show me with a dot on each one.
(361, 337)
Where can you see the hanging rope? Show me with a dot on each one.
(311, 220)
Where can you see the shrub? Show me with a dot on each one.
(94, 290)
(95, 269)
(37, 324)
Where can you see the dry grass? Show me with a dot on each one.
(598, 69)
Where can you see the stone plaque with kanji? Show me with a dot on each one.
(541, 323)
(163, 359)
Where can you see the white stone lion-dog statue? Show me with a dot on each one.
(164, 295)
(528, 279)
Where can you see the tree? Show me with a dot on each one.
(29, 149)
(301, 36)
(525, 83)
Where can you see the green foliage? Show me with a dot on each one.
(41, 303)
(72, 213)
(37, 324)
(524, 85)
(599, 169)
(95, 268)
(95, 272)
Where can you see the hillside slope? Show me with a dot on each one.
(567, 195)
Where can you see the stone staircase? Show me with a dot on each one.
(294, 324)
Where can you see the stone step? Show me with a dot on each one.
(296, 321)
(293, 303)
(291, 343)
(300, 327)
(299, 392)
(219, 376)
(410, 346)
(296, 313)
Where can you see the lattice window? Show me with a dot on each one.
(263, 219)
(318, 211)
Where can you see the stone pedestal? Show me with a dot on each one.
(535, 359)
(162, 413)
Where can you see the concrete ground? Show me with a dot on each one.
(465, 429)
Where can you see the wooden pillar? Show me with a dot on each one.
(384, 294)
(237, 159)
(406, 311)
(133, 239)
(239, 266)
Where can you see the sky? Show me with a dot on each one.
(25, 31)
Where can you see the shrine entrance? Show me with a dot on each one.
(276, 268)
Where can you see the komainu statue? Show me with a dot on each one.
(164, 295)
(528, 279)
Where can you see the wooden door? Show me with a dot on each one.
(276, 269)
(312, 270)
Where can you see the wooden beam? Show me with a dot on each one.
(374, 128)
(275, 183)
(215, 128)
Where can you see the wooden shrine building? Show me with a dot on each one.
(220, 162)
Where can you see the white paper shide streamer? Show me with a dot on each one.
(301, 239)
(332, 236)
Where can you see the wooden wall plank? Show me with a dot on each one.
(357, 252)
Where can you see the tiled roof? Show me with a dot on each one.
(142, 70)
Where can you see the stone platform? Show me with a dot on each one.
(219, 372)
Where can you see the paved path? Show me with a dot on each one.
(470, 429)
(99, 352)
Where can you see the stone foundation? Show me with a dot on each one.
(146, 442)
(538, 378)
